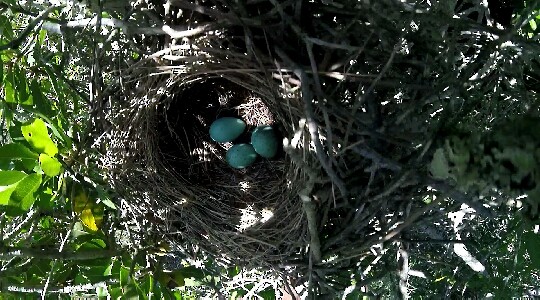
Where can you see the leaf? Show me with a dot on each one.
(9, 92)
(124, 276)
(22, 88)
(532, 243)
(6, 30)
(11, 152)
(268, 294)
(8, 183)
(78, 230)
(17, 151)
(42, 105)
(532, 23)
(38, 137)
(50, 165)
(23, 196)
(131, 292)
(90, 214)
(88, 219)
(1, 71)
(116, 292)
(439, 165)
(105, 198)
(101, 292)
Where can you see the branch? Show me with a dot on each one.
(175, 32)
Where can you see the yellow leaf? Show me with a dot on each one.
(88, 219)
(91, 215)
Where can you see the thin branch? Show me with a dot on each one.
(175, 32)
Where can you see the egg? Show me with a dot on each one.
(264, 141)
(226, 129)
(241, 155)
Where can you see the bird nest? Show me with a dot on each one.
(162, 156)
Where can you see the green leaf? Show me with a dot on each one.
(23, 196)
(96, 273)
(268, 294)
(78, 230)
(532, 23)
(1, 71)
(116, 292)
(8, 183)
(104, 197)
(37, 135)
(131, 292)
(94, 244)
(9, 92)
(6, 31)
(102, 292)
(439, 165)
(50, 165)
(124, 276)
(17, 151)
(532, 243)
(22, 87)
(41, 103)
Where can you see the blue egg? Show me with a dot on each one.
(241, 155)
(226, 129)
(264, 141)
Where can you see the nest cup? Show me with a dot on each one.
(172, 169)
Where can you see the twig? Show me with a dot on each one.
(404, 274)
(175, 32)
(29, 217)
(311, 215)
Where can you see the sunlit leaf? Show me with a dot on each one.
(9, 92)
(88, 219)
(38, 137)
(102, 292)
(23, 196)
(50, 165)
(532, 23)
(8, 183)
